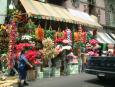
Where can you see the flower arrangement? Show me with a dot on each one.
(48, 50)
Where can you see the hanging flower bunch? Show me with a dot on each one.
(49, 33)
(30, 26)
(59, 37)
(67, 37)
(39, 33)
(48, 50)
(76, 36)
(80, 36)
(12, 30)
(84, 37)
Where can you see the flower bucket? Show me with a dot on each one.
(56, 72)
(72, 69)
(40, 75)
(46, 72)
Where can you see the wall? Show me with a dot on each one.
(102, 17)
(3, 10)
(100, 3)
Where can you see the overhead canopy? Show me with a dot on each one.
(112, 35)
(85, 17)
(53, 12)
(103, 37)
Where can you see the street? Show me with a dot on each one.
(80, 80)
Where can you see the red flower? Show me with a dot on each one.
(36, 62)
(31, 55)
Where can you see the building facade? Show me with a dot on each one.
(92, 7)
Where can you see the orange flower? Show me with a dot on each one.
(39, 32)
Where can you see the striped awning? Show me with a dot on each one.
(53, 12)
(103, 37)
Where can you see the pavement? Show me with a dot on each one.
(79, 80)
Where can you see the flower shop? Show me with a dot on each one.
(54, 43)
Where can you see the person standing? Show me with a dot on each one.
(22, 67)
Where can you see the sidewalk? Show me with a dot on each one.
(9, 81)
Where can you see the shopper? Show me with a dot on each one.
(23, 63)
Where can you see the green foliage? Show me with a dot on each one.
(49, 33)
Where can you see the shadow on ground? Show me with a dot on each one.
(104, 83)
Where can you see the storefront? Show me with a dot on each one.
(39, 33)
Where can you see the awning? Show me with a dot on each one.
(47, 11)
(103, 37)
(85, 17)
(3, 11)
(112, 35)
(53, 12)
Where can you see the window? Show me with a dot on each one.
(75, 3)
(92, 8)
(85, 8)
(92, 2)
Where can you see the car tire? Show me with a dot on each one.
(101, 77)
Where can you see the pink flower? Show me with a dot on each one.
(93, 41)
(91, 53)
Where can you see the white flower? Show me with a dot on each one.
(27, 37)
(66, 47)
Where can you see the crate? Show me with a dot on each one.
(31, 75)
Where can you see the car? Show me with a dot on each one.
(102, 67)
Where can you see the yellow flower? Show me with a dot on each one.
(3, 27)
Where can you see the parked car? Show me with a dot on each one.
(102, 67)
